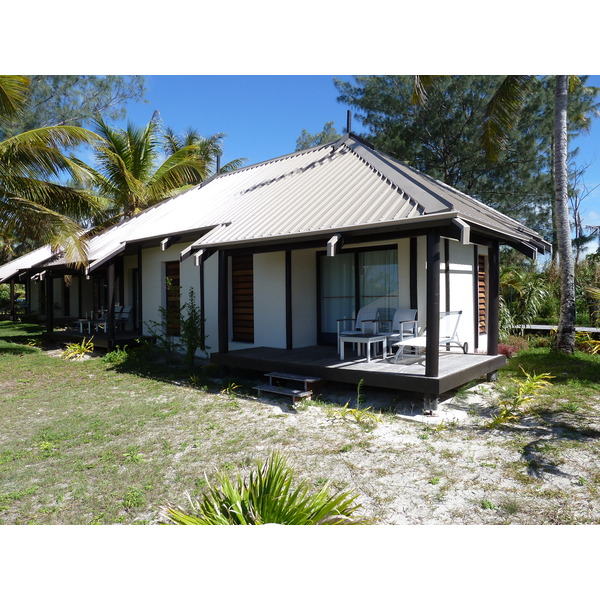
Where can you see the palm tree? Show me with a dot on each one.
(206, 148)
(35, 204)
(501, 115)
(130, 175)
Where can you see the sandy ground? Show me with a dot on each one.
(449, 468)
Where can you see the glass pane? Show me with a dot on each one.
(337, 290)
(379, 281)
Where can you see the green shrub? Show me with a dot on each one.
(116, 357)
(267, 495)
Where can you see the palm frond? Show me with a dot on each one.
(29, 220)
(422, 84)
(14, 90)
(501, 113)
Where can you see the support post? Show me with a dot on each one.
(432, 349)
(110, 317)
(414, 300)
(223, 302)
(289, 338)
(493, 297)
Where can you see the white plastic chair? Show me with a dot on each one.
(402, 326)
(365, 322)
(448, 327)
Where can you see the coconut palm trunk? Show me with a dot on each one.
(565, 339)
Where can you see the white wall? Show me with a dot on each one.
(304, 298)
(269, 290)
(461, 289)
(153, 280)
(269, 300)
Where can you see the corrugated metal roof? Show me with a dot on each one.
(27, 261)
(340, 186)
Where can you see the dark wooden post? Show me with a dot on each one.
(110, 317)
(414, 298)
(493, 297)
(432, 349)
(223, 301)
(289, 338)
(49, 302)
(433, 305)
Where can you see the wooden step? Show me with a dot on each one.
(275, 389)
(292, 377)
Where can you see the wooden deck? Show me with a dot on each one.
(455, 368)
(123, 338)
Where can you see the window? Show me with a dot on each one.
(352, 280)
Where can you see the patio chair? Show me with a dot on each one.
(448, 327)
(122, 319)
(365, 322)
(101, 323)
(402, 326)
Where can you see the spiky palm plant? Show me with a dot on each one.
(268, 495)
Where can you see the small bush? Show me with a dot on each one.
(116, 357)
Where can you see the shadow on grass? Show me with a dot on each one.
(17, 349)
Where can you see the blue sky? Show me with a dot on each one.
(262, 116)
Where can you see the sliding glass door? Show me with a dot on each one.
(354, 279)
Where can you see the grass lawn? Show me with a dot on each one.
(90, 442)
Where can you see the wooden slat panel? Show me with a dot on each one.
(482, 294)
(242, 284)
(173, 298)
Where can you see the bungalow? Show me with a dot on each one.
(278, 252)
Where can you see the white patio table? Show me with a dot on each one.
(364, 338)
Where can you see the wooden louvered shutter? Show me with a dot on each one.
(242, 291)
(482, 293)
(173, 298)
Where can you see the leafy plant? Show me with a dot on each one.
(192, 329)
(231, 389)
(513, 405)
(586, 343)
(267, 495)
(134, 498)
(116, 356)
(77, 350)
